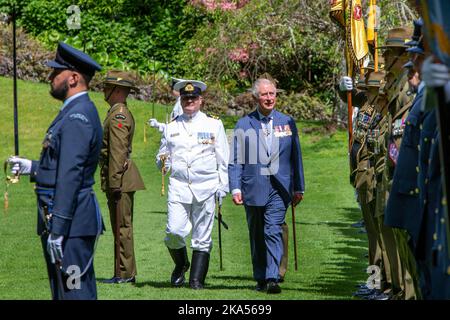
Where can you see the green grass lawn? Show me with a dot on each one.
(331, 253)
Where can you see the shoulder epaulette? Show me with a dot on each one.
(214, 116)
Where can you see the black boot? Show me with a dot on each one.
(200, 263)
(206, 270)
(180, 258)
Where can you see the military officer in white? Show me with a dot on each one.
(195, 148)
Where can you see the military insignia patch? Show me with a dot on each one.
(120, 117)
(78, 116)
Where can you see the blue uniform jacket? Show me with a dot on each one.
(252, 167)
(403, 207)
(67, 164)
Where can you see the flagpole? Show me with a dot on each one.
(375, 36)
(16, 122)
(349, 65)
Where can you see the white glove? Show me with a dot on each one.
(220, 194)
(19, 165)
(54, 247)
(346, 84)
(155, 124)
(434, 74)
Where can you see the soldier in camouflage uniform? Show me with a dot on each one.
(119, 175)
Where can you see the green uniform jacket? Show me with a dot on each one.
(117, 169)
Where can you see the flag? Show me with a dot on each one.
(337, 13)
(436, 17)
(371, 22)
(356, 33)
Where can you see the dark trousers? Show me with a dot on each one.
(127, 256)
(266, 236)
(77, 253)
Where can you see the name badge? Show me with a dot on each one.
(282, 131)
(174, 134)
(205, 137)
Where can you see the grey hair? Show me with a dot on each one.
(257, 83)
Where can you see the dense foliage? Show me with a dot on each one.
(143, 34)
(226, 43)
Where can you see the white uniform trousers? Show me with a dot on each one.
(195, 216)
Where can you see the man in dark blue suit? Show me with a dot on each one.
(266, 175)
(69, 220)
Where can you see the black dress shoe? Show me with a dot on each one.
(273, 287)
(261, 285)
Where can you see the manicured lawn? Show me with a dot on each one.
(331, 253)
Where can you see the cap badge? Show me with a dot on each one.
(189, 88)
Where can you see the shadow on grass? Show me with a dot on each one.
(158, 212)
(347, 266)
(225, 277)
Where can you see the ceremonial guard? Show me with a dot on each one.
(119, 174)
(432, 247)
(195, 149)
(69, 220)
(402, 210)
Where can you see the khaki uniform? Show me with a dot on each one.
(365, 178)
(399, 107)
(119, 171)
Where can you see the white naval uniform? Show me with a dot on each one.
(198, 154)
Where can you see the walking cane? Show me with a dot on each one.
(295, 237)
(219, 217)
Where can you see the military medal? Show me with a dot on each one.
(205, 137)
(282, 131)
